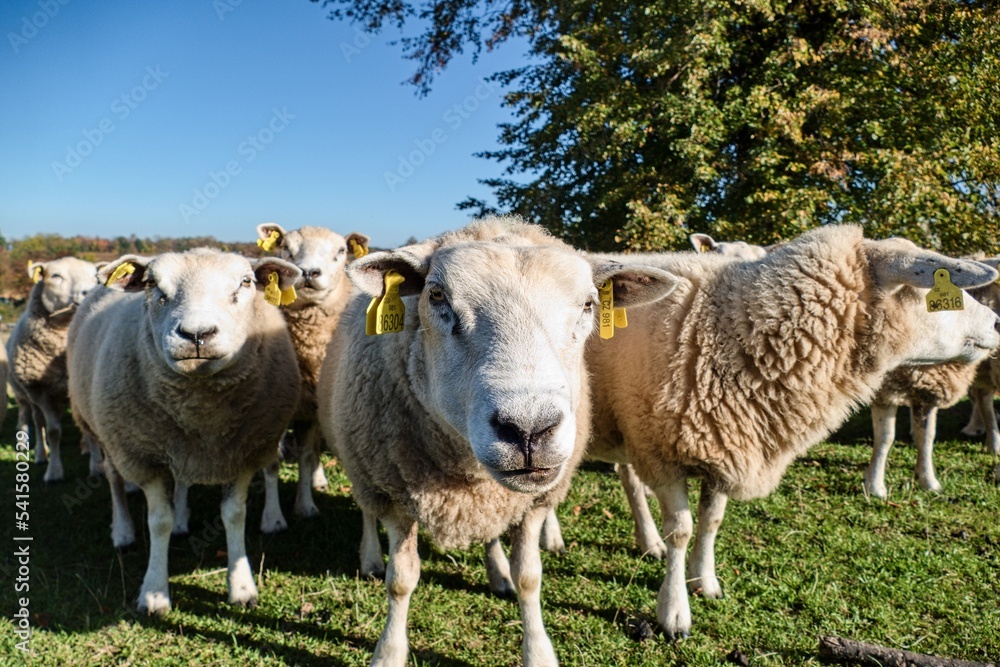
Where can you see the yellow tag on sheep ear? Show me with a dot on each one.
(358, 249)
(267, 245)
(386, 313)
(124, 269)
(944, 295)
(288, 296)
(621, 319)
(272, 293)
(606, 315)
(36, 275)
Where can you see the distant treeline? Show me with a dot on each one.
(15, 255)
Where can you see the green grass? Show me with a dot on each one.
(921, 572)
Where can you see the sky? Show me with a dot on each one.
(208, 117)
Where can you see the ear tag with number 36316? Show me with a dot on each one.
(386, 313)
(944, 295)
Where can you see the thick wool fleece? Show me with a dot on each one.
(745, 364)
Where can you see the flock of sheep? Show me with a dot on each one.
(461, 380)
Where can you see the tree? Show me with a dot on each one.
(639, 123)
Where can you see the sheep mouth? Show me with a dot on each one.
(530, 476)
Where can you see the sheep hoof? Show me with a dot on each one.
(248, 603)
(154, 604)
(374, 571)
(274, 527)
(504, 592)
(973, 431)
(657, 551)
(676, 635)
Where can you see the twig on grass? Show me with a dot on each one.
(850, 652)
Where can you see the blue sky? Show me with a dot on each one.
(207, 117)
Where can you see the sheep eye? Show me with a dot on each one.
(436, 294)
(247, 281)
(341, 252)
(588, 307)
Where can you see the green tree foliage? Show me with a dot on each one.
(638, 123)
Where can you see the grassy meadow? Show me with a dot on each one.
(920, 572)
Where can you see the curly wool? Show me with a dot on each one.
(37, 350)
(729, 379)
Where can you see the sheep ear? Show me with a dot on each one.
(993, 262)
(99, 265)
(125, 274)
(635, 285)
(270, 235)
(412, 262)
(288, 273)
(359, 247)
(36, 271)
(702, 242)
(898, 262)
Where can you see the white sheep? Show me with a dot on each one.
(736, 249)
(925, 389)
(747, 364)
(181, 371)
(3, 381)
(322, 295)
(469, 420)
(36, 351)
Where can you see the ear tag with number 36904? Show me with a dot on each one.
(386, 313)
(944, 295)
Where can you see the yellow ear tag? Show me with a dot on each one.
(36, 275)
(390, 313)
(944, 295)
(124, 269)
(267, 245)
(272, 293)
(606, 317)
(621, 319)
(288, 296)
(358, 249)
(703, 248)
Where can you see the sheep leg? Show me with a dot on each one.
(273, 519)
(498, 570)
(182, 511)
(701, 567)
(242, 590)
(400, 579)
(647, 535)
(526, 567)
(53, 435)
(924, 418)
(154, 596)
(96, 456)
(552, 539)
(990, 418)
(976, 425)
(309, 443)
(884, 427)
(25, 420)
(372, 564)
(122, 528)
(672, 608)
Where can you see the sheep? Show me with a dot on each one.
(747, 364)
(36, 351)
(737, 249)
(3, 381)
(469, 420)
(179, 370)
(986, 384)
(322, 294)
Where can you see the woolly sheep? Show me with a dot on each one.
(737, 249)
(36, 351)
(312, 318)
(181, 371)
(987, 381)
(747, 364)
(470, 421)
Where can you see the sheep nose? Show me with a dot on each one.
(200, 337)
(313, 274)
(526, 434)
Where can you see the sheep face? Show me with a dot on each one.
(199, 304)
(497, 357)
(905, 273)
(65, 282)
(320, 253)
